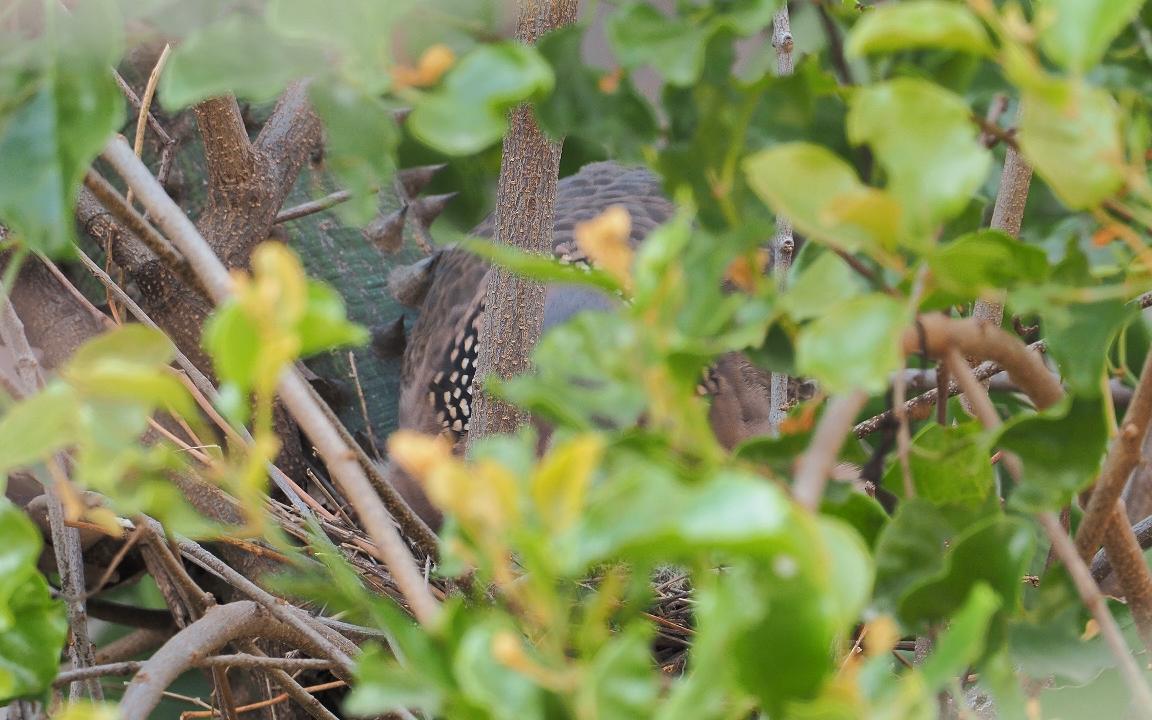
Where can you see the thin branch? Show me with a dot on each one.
(815, 465)
(916, 407)
(996, 108)
(65, 540)
(835, 46)
(70, 564)
(938, 334)
(146, 105)
(294, 391)
(134, 222)
(312, 207)
(278, 672)
(327, 641)
(198, 379)
(1064, 548)
(992, 130)
(136, 103)
(126, 667)
(1094, 601)
(1120, 543)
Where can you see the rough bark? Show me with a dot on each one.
(525, 210)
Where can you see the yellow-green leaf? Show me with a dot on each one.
(925, 24)
(1071, 135)
(924, 138)
(562, 478)
(822, 196)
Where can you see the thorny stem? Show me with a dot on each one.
(783, 243)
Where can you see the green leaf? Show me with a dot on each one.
(821, 194)
(963, 642)
(1055, 647)
(733, 512)
(468, 112)
(864, 330)
(642, 35)
(861, 512)
(620, 684)
(1070, 132)
(931, 24)
(383, 686)
(796, 635)
(32, 624)
(355, 32)
(325, 323)
(237, 55)
(986, 260)
(949, 465)
(129, 363)
(36, 427)
(64, 114)
(617, 118)
(488, 683)
(1079, 337)
(996, 551)
(540, 267)
(1076, 34)
(821, 286)
(361, 144)
(910, 547)
(1060, 450)
(131, 344)
(924, 138)
(232, 340)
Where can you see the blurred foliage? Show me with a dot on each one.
(871, 149)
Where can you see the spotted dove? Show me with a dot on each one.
(440, 356)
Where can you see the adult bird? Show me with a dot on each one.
(439, 363)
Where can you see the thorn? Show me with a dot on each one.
(427, 209)
(400, 115)
(414, 180)
(336, 393)
(387, 231)
(389, 341)
(409, 283)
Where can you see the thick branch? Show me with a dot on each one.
(219, 625)
(525, 212)
(326, 641)
(940, 334)
(231, 160)
(1122, 458)
(918, 407)
(1094, 601)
